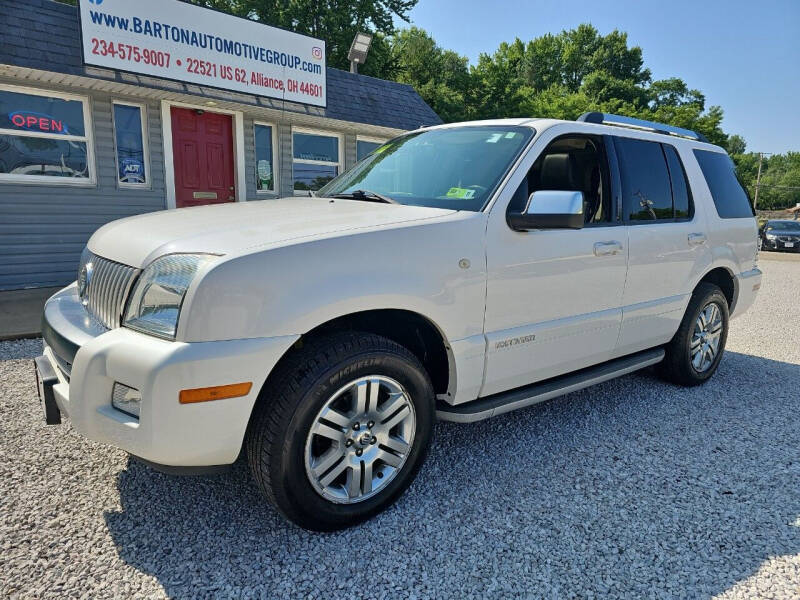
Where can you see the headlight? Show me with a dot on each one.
(772, 236)
(155, 303)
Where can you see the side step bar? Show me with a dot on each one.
(504, 402)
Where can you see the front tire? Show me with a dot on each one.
(341, 430)
(694, 353)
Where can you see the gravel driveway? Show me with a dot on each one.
(633, 488)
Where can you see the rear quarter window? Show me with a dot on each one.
(730, 198)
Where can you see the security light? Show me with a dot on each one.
(358, 50)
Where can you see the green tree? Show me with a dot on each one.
(578, 70)
(440, 76)
(736, 144)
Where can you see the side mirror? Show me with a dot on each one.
(550, 210)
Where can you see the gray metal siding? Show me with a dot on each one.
(349, 151)
(285, 164)
(249, 157)
(44, 228)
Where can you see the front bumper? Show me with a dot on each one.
(88, 359)
(747, 284)
(792, 245)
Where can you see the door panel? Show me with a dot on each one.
(190, 165)
(215, 158)
(202, 145)
(662, 269)
(666, 255)
(552, 305)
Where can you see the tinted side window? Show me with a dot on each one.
(646, 189)
(729, 196)
(571, 163)
(681, 195)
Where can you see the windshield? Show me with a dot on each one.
(783, 226)
(456, 168)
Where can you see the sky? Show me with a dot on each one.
(744, 55)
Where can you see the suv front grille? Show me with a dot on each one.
(103, 286)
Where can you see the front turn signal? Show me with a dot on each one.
(218, 392)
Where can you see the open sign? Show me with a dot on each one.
(32, 121)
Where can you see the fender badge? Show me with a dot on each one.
(464, 263)
(514, 341)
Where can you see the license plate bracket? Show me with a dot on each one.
(46, 379)
(789, 244)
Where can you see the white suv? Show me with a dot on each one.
(456, 273)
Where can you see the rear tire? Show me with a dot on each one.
(694, 353)
(341, 430)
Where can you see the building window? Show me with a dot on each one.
(366, 145)
(44, 137)
(265, 165)
(130, 136)
(315, 159)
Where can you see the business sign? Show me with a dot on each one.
(176, 40)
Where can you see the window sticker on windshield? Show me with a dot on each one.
(494, 138)
(463, 193)
(511, 135)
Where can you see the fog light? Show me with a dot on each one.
(126, 399)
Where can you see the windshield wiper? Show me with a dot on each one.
(365, 195)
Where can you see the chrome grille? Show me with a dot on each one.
(104, 285)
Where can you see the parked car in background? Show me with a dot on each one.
(780, 235)
(457, 272)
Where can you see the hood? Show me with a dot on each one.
(239, 226)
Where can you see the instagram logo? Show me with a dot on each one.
(316, 52)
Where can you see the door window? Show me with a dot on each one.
(646, 188)
(574, 164)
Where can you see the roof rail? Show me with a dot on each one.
(620, 121)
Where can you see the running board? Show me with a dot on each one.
(504, 402)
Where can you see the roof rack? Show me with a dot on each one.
(620, 121)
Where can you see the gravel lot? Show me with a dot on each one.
(633, 488)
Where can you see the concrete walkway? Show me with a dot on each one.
(21, 312)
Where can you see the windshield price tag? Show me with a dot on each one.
(463, 193)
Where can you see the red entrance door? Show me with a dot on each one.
(202, 146)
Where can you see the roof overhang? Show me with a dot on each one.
(150, 88)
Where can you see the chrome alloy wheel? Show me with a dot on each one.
(706, 337)
(360, 440)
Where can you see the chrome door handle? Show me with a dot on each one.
(697, 239)
(607, 248)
